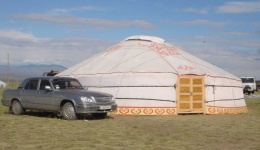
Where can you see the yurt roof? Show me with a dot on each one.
(145, 54)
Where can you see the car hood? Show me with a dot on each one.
(85, 93)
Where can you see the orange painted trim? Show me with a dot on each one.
(144, 107)
(146, 111)
(211, 110)
(224, 107)
(152, 111)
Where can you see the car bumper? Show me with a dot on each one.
(83, 109)
(5, 102)
(247, 89)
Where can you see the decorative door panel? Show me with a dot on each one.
(190, 94)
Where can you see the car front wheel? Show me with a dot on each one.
(17, 108)
(68, 111)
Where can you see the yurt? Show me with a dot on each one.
(149, 76)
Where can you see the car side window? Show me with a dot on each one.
(32, 85)
(44, 83)
(74, 84)
(59, 84)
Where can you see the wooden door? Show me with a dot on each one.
(190, 94)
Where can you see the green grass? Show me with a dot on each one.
(257, 93)
(37, 131)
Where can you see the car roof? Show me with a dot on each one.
(49, 77)
(42, 78)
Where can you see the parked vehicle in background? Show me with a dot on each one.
(249, 84)
(62, 95)
(257, 87)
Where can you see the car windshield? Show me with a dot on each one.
(247, 80)
(60, 84)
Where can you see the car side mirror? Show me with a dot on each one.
(48, 88)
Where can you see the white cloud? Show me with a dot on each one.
(202, 22)
(240, 33)
(95, 23)
(241, 58)
(239, 7)
(63, 51)
(235, 56)
(257, 24)
(227, 43)
(258, 51)
(194, 10)
(16, 35)
(68, 10)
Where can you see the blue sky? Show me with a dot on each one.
(65, 32)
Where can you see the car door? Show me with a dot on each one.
(48, 99)
(29, 94)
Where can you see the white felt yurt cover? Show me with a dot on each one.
(143, 73)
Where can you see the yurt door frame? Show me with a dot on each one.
(191, 94)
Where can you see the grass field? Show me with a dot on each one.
(41, 131)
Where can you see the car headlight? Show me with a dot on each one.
(88, 99)
(113, 99)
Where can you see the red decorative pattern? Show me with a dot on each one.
(148, 111)
(185, 67)
(226, 110)
(211, 110)
(123, 111)
(145, 111)
(161, 48)
(114, 48)
(159, 111)
(170, 111)
(136, 111)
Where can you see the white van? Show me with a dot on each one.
(249, 84)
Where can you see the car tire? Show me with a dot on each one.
(17, 108)
(68, 111)
(99, 115)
